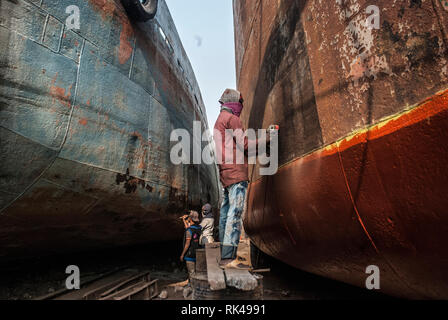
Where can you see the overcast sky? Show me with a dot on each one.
(206, 30)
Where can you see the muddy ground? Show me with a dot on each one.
(34, 278)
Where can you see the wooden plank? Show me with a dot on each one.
(96, 293)
(140, 291)
(59, 293)
(201, 261)
(261, 270)
(215, 274)
(124, 292)
(144, 276)
(240, 279)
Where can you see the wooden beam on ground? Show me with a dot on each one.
(96, 293)
(240, 279)
(142, 277)
(261, 270)
(215, 274)
(59, 293)
(138, 291)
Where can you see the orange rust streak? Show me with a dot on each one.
(428, 108)
(105, 7)
(355, 206)
(60, 93)
(125, 48)
(142, 164)
(108, 9)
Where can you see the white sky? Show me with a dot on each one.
(206, 30)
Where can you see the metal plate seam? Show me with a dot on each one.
(363, 130)
(62, 144)
(363, 226)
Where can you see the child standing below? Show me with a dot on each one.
(207, 224)
(191, 241)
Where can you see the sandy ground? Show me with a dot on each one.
(38, 277)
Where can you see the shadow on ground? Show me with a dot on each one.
(287, 283)
(33, 278)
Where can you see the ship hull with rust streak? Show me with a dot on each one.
(363, 117)
(85, 123)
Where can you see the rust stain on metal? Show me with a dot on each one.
(60, 94)
(424, 111)
(363, 114)
(125, 49)
(130, 183)
(444, 4)
(76, 193)
(105, 7)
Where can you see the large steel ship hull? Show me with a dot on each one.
(363, 117)
(85, 123)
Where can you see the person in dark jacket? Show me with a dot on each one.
(192, 234)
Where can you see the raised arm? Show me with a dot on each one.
(240, 136)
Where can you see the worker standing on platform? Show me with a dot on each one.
(191, 241)
(234, 174)
(207, 224)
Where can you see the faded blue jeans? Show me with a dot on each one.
(230, 219)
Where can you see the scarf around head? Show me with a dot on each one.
(236, 107)
(208, 212)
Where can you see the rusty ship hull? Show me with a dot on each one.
(85, 123)
(363, 151)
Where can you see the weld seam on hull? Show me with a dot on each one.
(111, 170)
(430, 107)
(354, 205)
(90, 207)
(132, 58)
(61, 37)
(45, 28)
(22, 35)
(361, 222)
(29, 139)
(441, 25)
(248, 39)
(27, 188)
(335, 145)
(65, 188)
(62, 144)
(35, 4)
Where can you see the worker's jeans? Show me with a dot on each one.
(230, 220)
